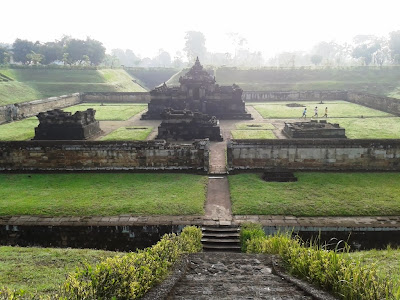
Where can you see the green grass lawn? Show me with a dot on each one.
(336, 109)
(102, 194)
(19, 131)
(253, 134)
(386, 261)
(370, 128)
(43, 270)
(317, 194)
(132, 133)
(110, 112)
(253, 131)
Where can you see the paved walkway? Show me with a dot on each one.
(218, 205)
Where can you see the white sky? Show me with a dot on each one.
(145, 26)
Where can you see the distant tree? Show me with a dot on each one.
(316, 59)
(195, 45)
(21, 48)
(76, 49)
(66, 59)
(126, 58)
(163, 59)
(365, 52)
(394, 45)
(4, 56)
(51, 51)
(34, 58)
(95, 51)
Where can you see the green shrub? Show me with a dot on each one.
(344, 277)
(132, 275)
(250, 231)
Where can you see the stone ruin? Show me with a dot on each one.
(187, 125)
(198, 91)
(59, 125)
(314, 130)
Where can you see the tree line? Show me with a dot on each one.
(67, 51)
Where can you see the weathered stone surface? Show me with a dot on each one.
(233, 276)
(313, 130)
(59, 125)
(93, 155)
(315, 154)
(198, 92)
(187, 125)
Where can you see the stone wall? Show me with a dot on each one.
(103, 156)
(32, 108)
(386, 104)
(314, 155)
(105, 97)
(255, 96)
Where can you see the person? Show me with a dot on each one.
(304, 113)
(316, 112)
(326, 112)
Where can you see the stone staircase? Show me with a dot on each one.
(221, 238)
(216, 275)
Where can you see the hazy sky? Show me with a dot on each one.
(145, 26)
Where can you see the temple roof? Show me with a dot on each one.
(197, 74)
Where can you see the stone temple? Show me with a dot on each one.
(313, 129)
(187, 125)
(59, 125)
(198, 91)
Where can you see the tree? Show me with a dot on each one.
(95, 51)
(316, 59)
(34, 58)
(76, 49)
(195, 45)
(21, 48)
(51, 51)
(163, 59)
(394, 45)
(4, 56)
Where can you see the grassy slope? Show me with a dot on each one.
(32, 84)
(42, 270)
(317, 194)
(101, 194)
(372, 80)
(19, 130)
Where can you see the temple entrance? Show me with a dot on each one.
(196, 93)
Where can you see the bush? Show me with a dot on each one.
(132, 275)
(250, 231)
(342, 276)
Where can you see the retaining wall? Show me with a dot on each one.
(314, 155)
(386, 104)
(32, 108)
(103, 156)
(104, 97)
(262, 96)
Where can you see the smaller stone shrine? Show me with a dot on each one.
(187, 125)
(59, 125)
(314, 130)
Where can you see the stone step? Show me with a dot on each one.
(219, 247)
(221, 235)
(220, 228)
(211, 240)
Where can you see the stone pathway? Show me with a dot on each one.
(233, 276)
(218, 206)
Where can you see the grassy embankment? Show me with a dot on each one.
(373, 80)
(32, 84)
(317, 194)
(102, 194)
(360, 122)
